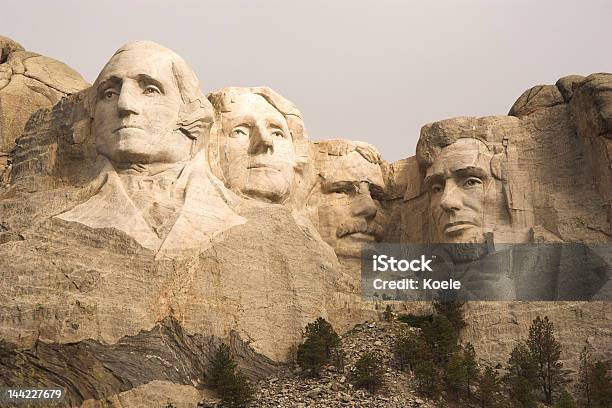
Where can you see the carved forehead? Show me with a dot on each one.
(250, 105)
(131, 62)
(352, 167)
(463, 154)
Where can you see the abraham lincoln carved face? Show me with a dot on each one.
(460, 187)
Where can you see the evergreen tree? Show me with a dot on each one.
(231, 385)
(471, 368)
(368, 373)
(409, 348)
(601, 393)
(489, 388)
(320, 346)
(455, 374)
(388, 314)
(565, 400)
(441, 338)
(238, 393)
(222, 366)
(427, 378)
(415, 320)
(585, 378)
(520, 377)
(450, 307)
(546, 351)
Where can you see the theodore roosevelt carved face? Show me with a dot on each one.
(348, 197)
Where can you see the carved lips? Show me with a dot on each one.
(458, 226)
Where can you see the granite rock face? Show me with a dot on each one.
(548, 167)
(28, 82)
(125, 261)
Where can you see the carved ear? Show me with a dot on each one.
(498, 166)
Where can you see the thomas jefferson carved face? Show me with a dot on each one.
(461, 185)
(137, 108)
(348, 203)
(258, 156)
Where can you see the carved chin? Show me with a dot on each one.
(268, 185)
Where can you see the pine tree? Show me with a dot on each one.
(489, 388)
(585, 378)
(546, 351)
(222, 366)
(427, 378)
(231, 385)
(520, 377)
(451, 308)
(455, 374)
(565, 400)
(320, 346)
(388, 314)
(409, 348)
(601, 393)
(368, 373)
(441, 338)
(471, 368)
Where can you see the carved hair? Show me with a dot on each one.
(342, 147)
(196, 113)
(222, 102)
(438, 135)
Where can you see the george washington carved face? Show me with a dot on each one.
(137, 106)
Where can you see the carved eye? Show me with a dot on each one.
(239, 132)
(110, 94)
(345, 189)
(437, 188)
(472, 182)
(278, 133)
(151, 90)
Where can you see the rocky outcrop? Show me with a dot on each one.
(552, 153)
(92, 303)
(28, 82)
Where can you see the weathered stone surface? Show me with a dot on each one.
(86, 282)
(550, 186)
(124, 261)
(28, 82)
(155, 394)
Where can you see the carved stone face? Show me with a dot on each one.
(348, 203)
(137, 108)
(259, 155)
(460, 186)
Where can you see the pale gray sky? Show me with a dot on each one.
(365, 70)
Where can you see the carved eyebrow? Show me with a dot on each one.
(328, 186)
(110, 81)
(147, 79)
(471, 172)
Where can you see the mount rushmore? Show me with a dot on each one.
(143, 222)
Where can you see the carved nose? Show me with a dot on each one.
(451, 197)
(363, 205)
(127, 103)
(261, 140)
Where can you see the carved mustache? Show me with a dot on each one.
(360, 226)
